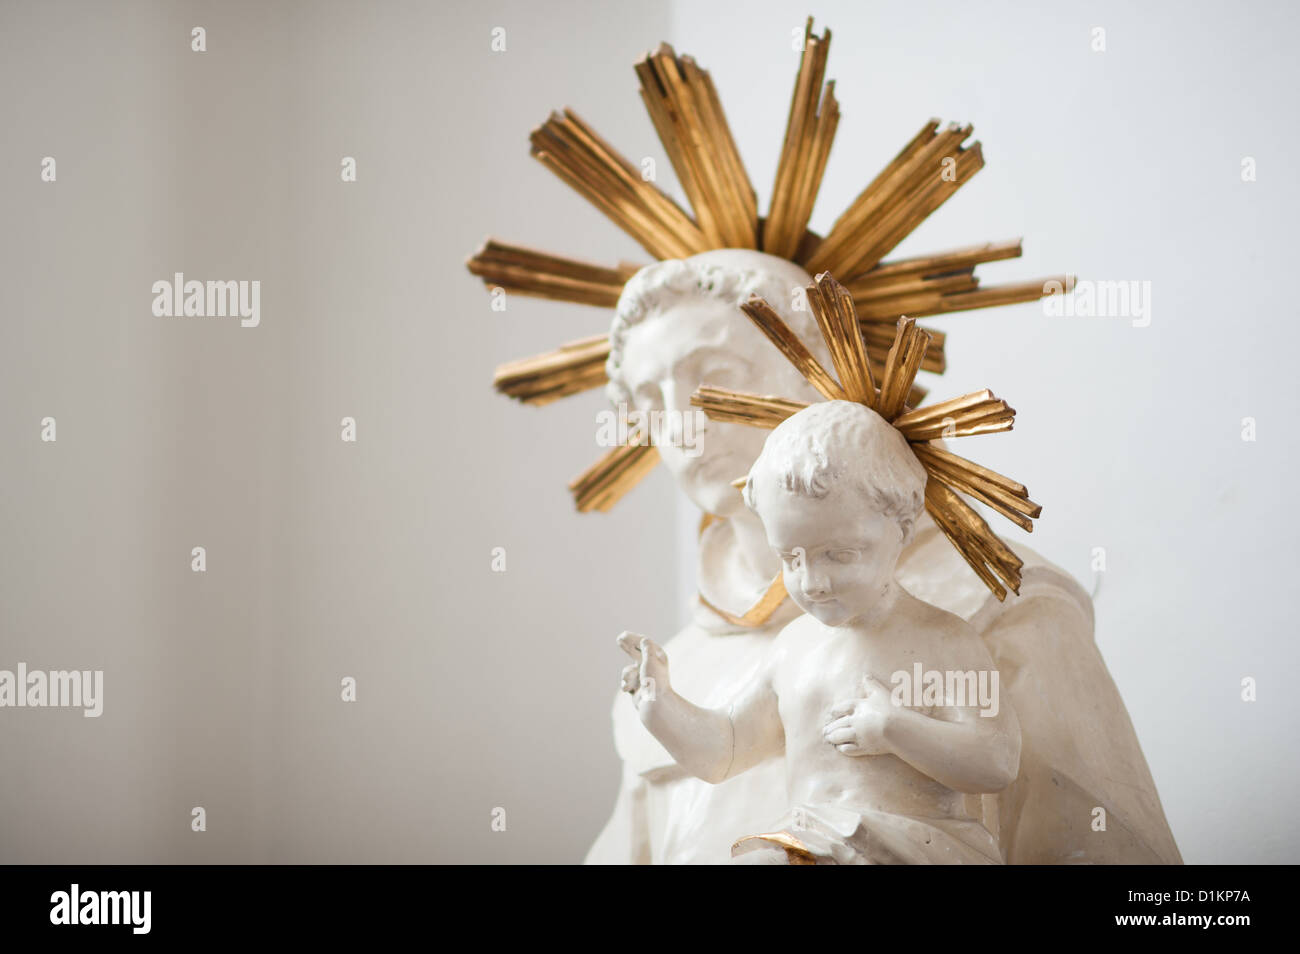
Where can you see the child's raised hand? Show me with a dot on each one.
(857, 726)
(648, 676)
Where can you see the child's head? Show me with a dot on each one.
(839, 492)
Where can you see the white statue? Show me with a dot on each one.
(678, 326)
(869, 780)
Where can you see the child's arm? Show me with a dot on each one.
(957, 746)
(711, 744)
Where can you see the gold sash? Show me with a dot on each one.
(761, 611)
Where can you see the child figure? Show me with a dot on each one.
(870, 782)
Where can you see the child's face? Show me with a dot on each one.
(839, 554)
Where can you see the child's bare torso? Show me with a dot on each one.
(822, 666)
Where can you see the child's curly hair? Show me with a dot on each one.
(809, 452)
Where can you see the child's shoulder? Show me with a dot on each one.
(935, 621)
(941, 635)
(801, 627)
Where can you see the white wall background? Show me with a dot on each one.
(1117, 165)
(476, 689)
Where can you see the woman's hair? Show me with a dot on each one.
(810, 452)
(656, 288)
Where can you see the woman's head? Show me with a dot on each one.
(679, 325)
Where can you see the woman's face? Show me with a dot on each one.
(667, 356)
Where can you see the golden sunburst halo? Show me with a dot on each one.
(688, 117)
(948, 475)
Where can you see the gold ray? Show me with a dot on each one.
(741, 407)
(608, 480)
(992, 477)
(770, 323)
(943, 283)
(901, 365)
(809, 132)
(832, 249)
(915, 183)
(573, 367)
(976, 413)
(993, 421)
(526, 271)
(573, 151)
(759, 410)
(986, 486)
(990, 296)
(968, 532)
(941, 303)
(907, 286)
(936, 263)
(879, 338)
(832, 306)
(687, 114)
(930, 191)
